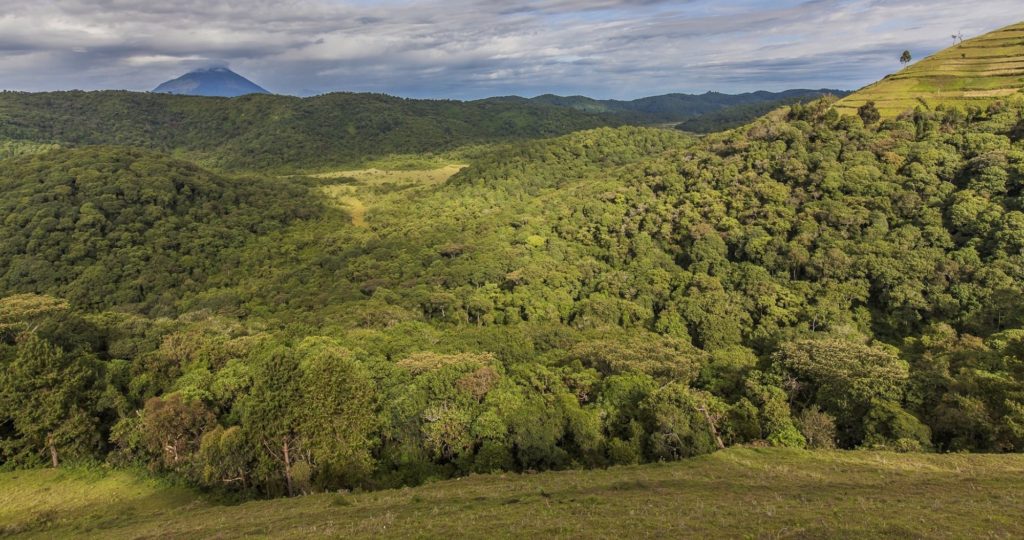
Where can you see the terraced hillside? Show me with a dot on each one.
(976, 72)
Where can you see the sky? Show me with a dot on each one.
(467, 49)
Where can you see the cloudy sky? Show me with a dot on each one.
(476, 48)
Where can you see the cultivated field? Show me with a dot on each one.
(975, 72)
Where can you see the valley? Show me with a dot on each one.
(760, 315)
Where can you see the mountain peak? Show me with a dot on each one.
(211, 81)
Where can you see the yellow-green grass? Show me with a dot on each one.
(374, 176)
(974, 73)
(363, 185)
(737, 493)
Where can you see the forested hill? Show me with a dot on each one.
(680, 107)
(277, 132)
(109, 226)
(611, 296)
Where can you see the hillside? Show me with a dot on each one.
(670, 108)
(734, 494)
(975, 73)
(105, 226)
(219, 82)
(613, 296)
(266, 132)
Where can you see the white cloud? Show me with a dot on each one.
(474, 48)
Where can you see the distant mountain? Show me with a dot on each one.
(218, 81)
(973, 73)
(675, 107)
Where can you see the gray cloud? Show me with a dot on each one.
(477, 48)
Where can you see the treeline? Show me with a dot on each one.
(612, 296)
(257, 413)
(266, 132)
(734, 116)
(670, 108)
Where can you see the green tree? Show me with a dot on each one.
(338, 415)
(50, 398)
(272, 416)
(868, 112)
(844, 378)
(171, 429)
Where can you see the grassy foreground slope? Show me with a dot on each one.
(736, 493)
(975, 72)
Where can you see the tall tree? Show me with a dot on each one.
(50, 398)
(337, 414)
(273, 413)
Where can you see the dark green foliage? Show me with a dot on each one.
(107, 226)
(735, 116)
(50, 401)
(268, 132)
(670, 108)
(869, 113)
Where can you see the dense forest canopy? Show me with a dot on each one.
(617, 295)
(268, 132)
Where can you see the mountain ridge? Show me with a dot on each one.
(674, 107)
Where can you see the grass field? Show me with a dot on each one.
(975, 72)
(737, 493)
(367, 184)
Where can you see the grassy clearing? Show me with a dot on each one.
(974, 73)
(375, 176)
(369, 184)
(753, 493)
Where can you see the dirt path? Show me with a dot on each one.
(356, 208)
